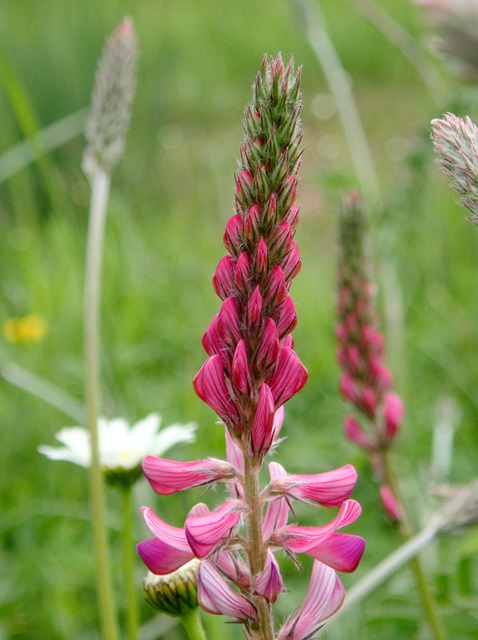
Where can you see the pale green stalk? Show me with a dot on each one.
(128, 563)
(100, 183)
(191, 622)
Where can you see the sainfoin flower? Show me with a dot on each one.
(122, 447)
(251, 372)
(366, 382)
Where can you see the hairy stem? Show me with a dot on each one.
(256, 551)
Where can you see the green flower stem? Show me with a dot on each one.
(191, 622)
(416, 565)
(99, 197)
(256, 552)
(128, 563)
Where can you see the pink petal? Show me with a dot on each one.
(242, 277)
(169, 476)
(240, 371)
(234, 454)
(291, 265)
(269, 582)
(233, 235)
(393, 415)
(210, 386)
(262, 427)
(354, 432)
(390, 504)
(269, 347)
(255, 308)
(232, 566)
(252, 223)
(285, 317)
(270, 214)
(275, 290)
(229, 322)
(173, 536)
(278, 420)
(223, 278)
(289, 377)
(301, 539)
(324, 597)
(206, 531)
(162, 558)
(216, 596)
(211, 340)
(275, 517)
(341, 552)
(281, 239)
(329, 489)
(261, 258)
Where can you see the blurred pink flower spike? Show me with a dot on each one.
(168, 476)
(217, 597)
(329, 489)
(354, 432)
(393, 415)
(390, 504)
(324, 597)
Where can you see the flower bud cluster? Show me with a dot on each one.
(366, 382)
(251, 371)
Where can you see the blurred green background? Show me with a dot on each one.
(171, 197)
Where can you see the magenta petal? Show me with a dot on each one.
(255, 308)
(233, 235)
(329, 489)
(269, 581)
(210, 386)
(169, 476)
(204, 532)
(289, 377)
(285, 317)
(240, 371)
(161, 558)
(269, 347)
(291, 265)
(229, 322)
(242, 277)
(173, 536)
(275, 290)
(324, 597)
(261, 258)
(224, 277)
(275, 517)
(211, 340)
(216, 596)
(341, 552)
(301, 539)
(262, 427)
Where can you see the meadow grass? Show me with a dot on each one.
(171, 197)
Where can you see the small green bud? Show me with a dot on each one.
(174, 593)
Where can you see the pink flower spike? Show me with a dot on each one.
(329, 489)
(393, 414)
(269, 582)
(390, 504)
(216, 596)
(223, 278)
(324, 597)
(262, 428)
(341, 552)
(169, 476)
(204, 532)
(354, 432)
(289, 377)
(210, 386)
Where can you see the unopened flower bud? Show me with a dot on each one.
(174, 593)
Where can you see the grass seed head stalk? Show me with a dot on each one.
(252, 370)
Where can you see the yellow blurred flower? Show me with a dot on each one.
(28, 329)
